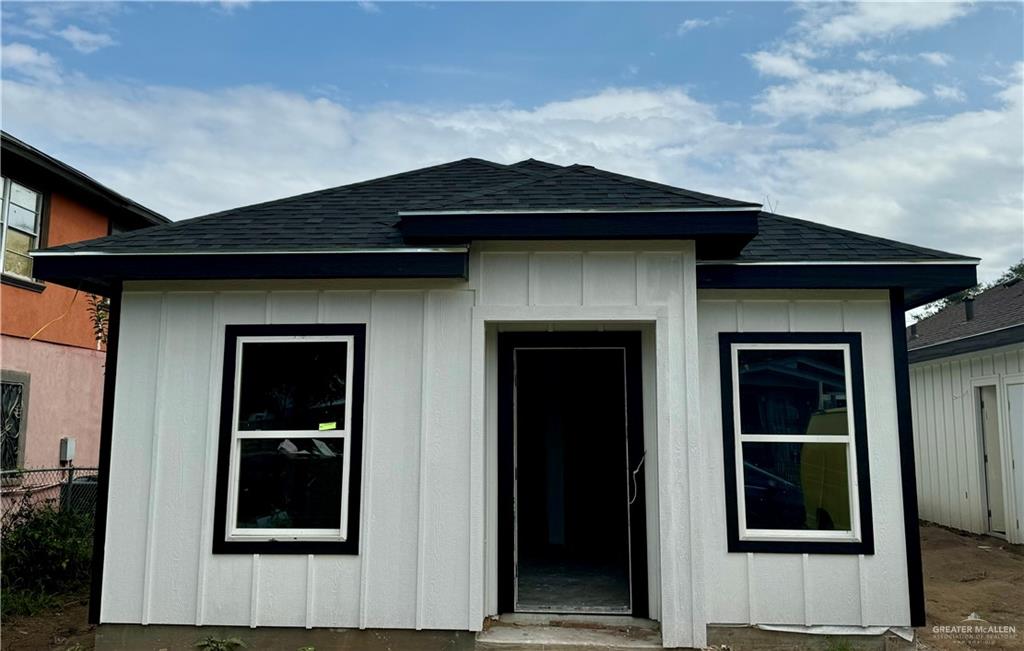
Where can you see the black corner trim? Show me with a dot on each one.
(1004, 337)
(351, 544)
(908, 476)
(99, 540)
(23, 283)
(867, 543)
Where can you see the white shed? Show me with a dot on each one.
(478, 390)
(967, 388)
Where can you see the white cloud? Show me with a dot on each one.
(951, 183)
(691, 24)
(85, 41)
(940, 59)
(837, 92)
(948, 93)
(845, 24)
(28, 61)
(369, 7)
(778, 64)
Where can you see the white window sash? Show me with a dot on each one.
(235, 533)
(797, 535)
(5, 225)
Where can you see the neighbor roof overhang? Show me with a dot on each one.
(40, 170)
(718, 232)
(103, 272)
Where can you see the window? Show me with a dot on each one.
(795, 443)
(291, 420)
(13, 416)
(20, 215)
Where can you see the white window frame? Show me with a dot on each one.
(5, 223)
(234, 533)
(849, 439)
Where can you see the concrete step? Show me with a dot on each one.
(521, 632)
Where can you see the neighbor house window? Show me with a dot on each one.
(14, 389)
(290, 438)
(20, 215)
(795, 443)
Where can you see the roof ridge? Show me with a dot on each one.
(690, 194)
(537, 161)
(872, 238)
(535, 178)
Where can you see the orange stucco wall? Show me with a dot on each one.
(23, 312)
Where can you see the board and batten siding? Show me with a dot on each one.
(414, 568)
(947, 439)
(425, 523)
(808, 589)
(428, 504)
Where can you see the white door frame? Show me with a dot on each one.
(680, 557)
(977, 384)
(1013, 463)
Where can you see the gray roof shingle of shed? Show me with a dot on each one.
(995, 308)
(365, 215)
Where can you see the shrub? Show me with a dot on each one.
(45, 552)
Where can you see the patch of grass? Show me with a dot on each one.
(46, 553)
(211, 643)
(25, 603)
(832, 644)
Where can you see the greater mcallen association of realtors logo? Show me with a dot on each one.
(976, 631)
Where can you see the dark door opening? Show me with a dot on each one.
(573, 536)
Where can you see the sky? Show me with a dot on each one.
(902, 120)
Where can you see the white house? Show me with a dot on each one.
(967, 392)
(474, 390)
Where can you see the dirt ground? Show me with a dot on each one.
(963, 574)
(66, 629)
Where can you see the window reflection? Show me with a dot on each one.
(792, 392)
(290, 483)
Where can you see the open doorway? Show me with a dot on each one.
(572, 474)
(992, 460)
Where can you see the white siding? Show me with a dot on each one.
(428, 513)
(947, 440)
(807, 589)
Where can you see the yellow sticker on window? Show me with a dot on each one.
(326, 426)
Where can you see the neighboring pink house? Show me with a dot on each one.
(50, 359)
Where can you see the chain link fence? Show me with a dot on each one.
(68, 489)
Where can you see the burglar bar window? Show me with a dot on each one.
(20, 216)
(290, 434)
(795, 427)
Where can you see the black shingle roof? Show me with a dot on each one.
(580, 187)
(999, 307)
(364, 215)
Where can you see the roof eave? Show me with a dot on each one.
(42, 163)
(921, 281)
(103, 273)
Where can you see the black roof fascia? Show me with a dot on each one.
(920, 282)
(721, 233)
(102, 274)
(993, 339)
(26, 164)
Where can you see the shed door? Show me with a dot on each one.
(992, 458)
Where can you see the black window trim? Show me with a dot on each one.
(348, 546)
(866, 544)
